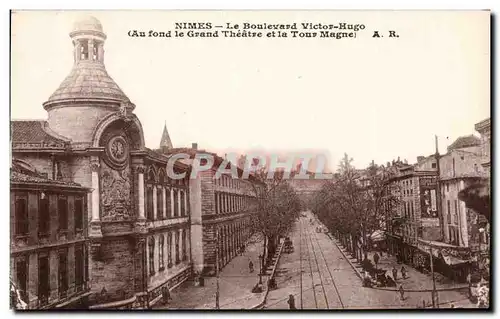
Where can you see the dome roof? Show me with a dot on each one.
(88, 23)
(88, 80)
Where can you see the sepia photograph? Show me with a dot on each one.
(250, 160)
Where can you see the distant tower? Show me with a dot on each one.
(166, 143)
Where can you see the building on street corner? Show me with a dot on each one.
(49, 245)
(137, 241)
(432, 221)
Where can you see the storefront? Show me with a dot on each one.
(451, 262)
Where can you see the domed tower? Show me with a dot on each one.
(106, 140)
(88, 93)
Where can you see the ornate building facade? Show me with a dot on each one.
(138, 220)
(221, 211)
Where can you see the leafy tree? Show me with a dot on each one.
(277, 207)
(356, 203)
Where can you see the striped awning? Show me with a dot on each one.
(378, 235)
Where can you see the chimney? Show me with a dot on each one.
(194, 146)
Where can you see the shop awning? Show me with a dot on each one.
(378, 235)
(452, 261)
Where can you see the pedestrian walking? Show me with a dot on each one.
(166, 294)
(403, 272)
(394, 273)
(469, 284)
(402, 292)
(376, 258)
(250, 266)
(291, 302)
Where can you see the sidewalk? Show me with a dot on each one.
(415, 280)
(235, 286)
(417, 285)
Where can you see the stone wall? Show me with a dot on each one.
(76, 123)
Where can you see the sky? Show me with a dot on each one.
(374, 99)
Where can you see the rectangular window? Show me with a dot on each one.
(176, 204)
(160, 253)
(169, 204)
(151, 256)
(22, 278)
(184, 245)
(79, 267)
(43, 215)
(63, 272)
(22, 216)
(177, 251)
(449, 210)
(169, 245)
(216, 202)
(43, 279)
(78, 213)
(149, 202)
(183, 204)
(456, 212)
(159, 203)
(62, 211)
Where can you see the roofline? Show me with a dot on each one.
(13, 184)
(445, 179)
(28, 120)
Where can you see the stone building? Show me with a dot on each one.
(484, 128)
(139, 221)
(221, 211)
(416, 215)
(49, 246)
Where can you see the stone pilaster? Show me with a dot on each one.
(95, 221)
(155, 204)
(140, 223)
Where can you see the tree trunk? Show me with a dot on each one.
(271, 247)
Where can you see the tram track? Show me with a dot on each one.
(314, 245)
(329, 272)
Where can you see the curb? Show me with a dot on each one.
(263, 301)
(345, 257)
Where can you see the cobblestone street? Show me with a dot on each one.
(235, 285)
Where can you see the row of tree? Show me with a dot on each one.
(356, 203)
(277, 207)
